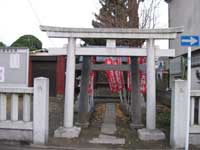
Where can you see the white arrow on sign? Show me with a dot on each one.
(192, 40)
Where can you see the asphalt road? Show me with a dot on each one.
(35, 147)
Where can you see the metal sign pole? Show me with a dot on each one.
(188, 99)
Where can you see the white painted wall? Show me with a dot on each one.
(184, 13)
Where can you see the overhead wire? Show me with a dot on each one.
(34, 11)
(37, 18)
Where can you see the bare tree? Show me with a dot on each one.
(148, 14)
(125, 14)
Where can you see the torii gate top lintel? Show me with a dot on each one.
(112, 33)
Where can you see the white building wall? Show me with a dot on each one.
(184, 13)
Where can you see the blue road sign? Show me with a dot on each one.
(190, 41)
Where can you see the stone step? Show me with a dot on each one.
(113, 141)
(150, 134)
(99, 100)
(108, 128)
(107, 136)
(110, 120)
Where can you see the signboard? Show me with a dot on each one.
(176, 65)
(14, 63)
(190, 41)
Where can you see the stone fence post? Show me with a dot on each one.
(178, 114)
(41, 110)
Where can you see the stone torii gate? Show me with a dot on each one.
(112, 34)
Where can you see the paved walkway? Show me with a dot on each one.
(109, 124)
(108, 128)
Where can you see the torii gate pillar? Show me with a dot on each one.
(69, 131)
(151, 86)
(150, 132)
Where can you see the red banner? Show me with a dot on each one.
(111, 76)
(143, 86)
(119, 75)
(142, 75)
(115, 78)
(142, 60)
(129, 76)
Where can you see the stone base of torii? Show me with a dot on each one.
(111, 34)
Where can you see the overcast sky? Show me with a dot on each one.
(19, 17)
